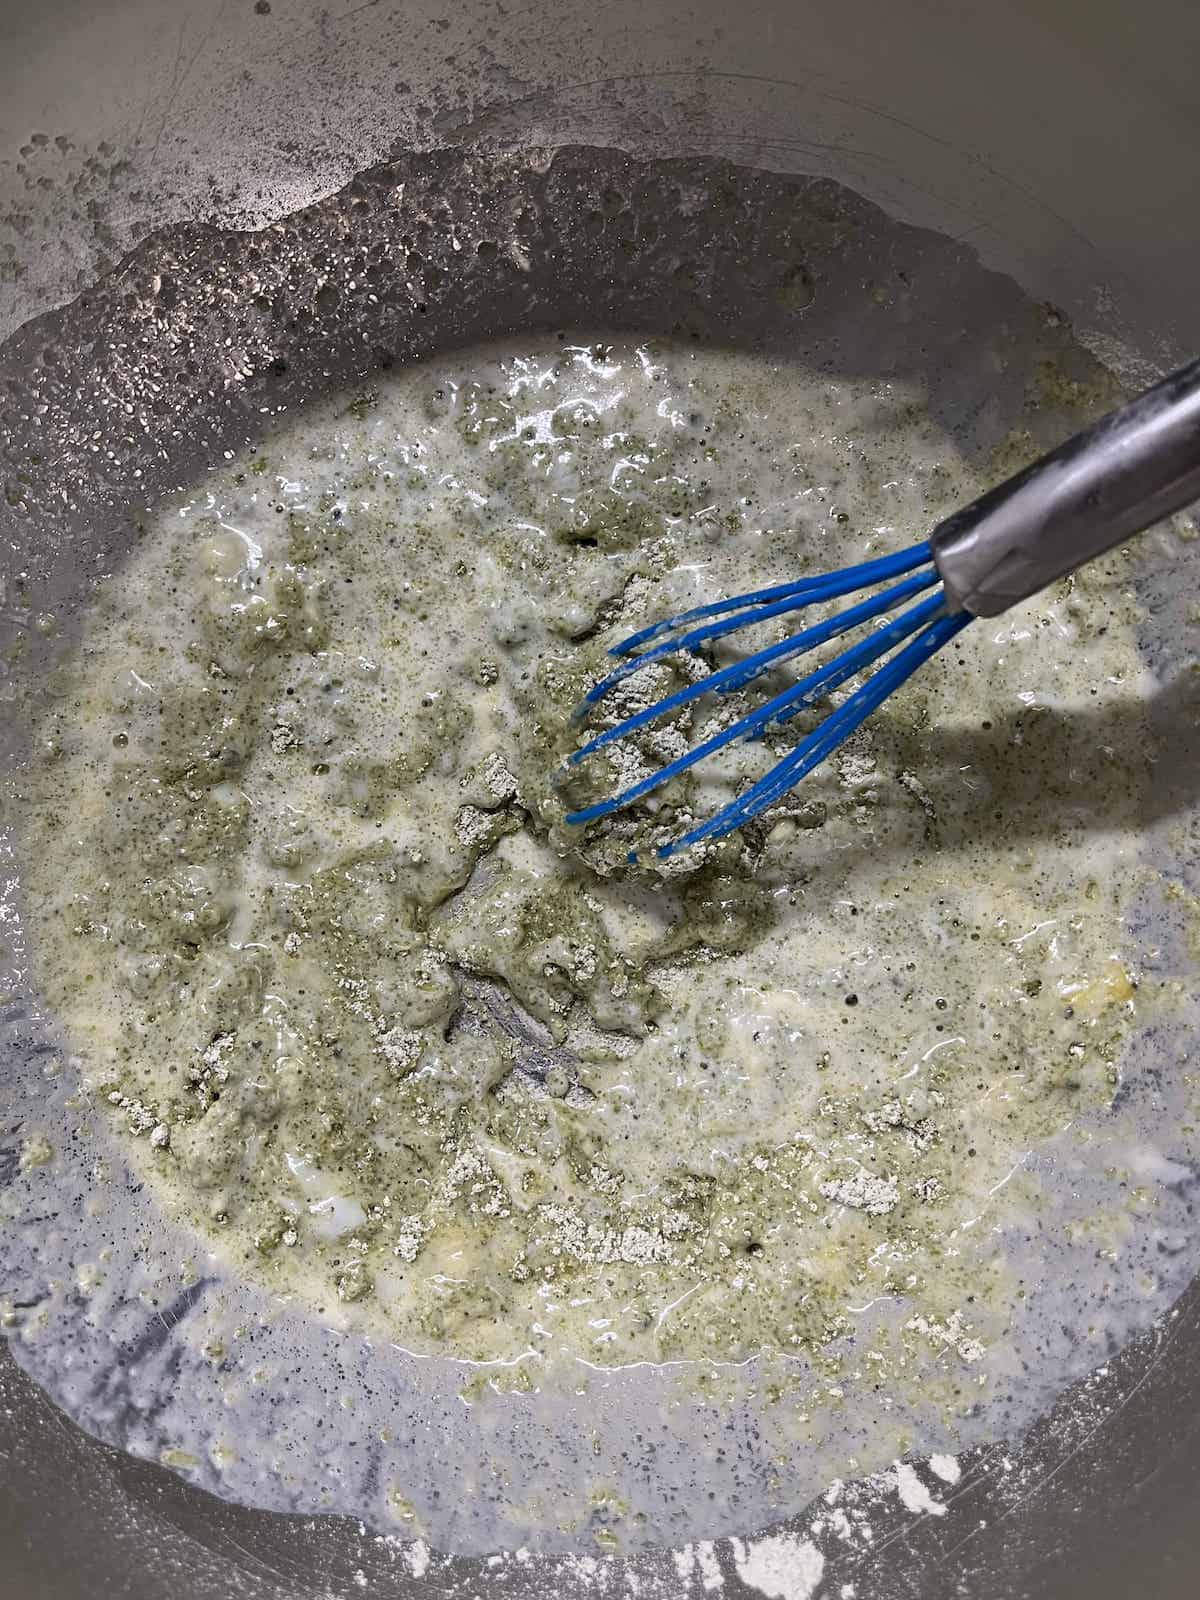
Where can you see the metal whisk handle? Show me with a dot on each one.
(1134, 466)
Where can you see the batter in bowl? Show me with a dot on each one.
(394, 1039)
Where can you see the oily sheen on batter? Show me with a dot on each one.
(395, 1039)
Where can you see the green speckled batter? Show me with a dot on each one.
(397, 1040)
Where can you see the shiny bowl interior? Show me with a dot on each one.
(233, 121)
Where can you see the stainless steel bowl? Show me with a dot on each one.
(1058, 140)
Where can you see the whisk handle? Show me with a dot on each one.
(1134, 466)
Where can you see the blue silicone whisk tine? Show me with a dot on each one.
(926, 626)
(825, 586)
(1095, 491)
(760, 606)
(835, 729)
(739, 673)
(776, 711)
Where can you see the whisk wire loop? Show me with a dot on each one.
(776, 711)
(927, 626)
(836, 728)
(739, 673)
(825, 586)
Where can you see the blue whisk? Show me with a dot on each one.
(1103, 485)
